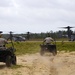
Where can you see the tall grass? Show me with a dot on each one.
(65, 46)
(34, 47)
(27, 47)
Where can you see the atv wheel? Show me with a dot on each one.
(42, 51)
(54, 51)
(8, 61)
(14, 60)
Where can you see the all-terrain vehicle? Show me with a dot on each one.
(48, 48)
(7, 55)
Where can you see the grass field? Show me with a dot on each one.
(66, 46)
(34, 46)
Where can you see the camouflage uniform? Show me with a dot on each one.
(3, 42)
(48, 40)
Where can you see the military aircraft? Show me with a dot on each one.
(13, 37)
(16, 38)
(19, 38)
(69, 32)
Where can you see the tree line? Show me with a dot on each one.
(42, 35)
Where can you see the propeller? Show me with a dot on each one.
(11, 32)
(68, 27)
(1, 32)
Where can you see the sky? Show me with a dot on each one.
(36, 16)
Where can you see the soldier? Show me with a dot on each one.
(48, 40)
(2, 41)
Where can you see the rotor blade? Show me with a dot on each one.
(11, 32)
(1, 32)
(63, 27)
(67, 27)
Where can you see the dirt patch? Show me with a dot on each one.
(35, 64)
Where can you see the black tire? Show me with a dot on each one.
(42, 51)
(54, 52)
(14, 60)
(8, 61)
